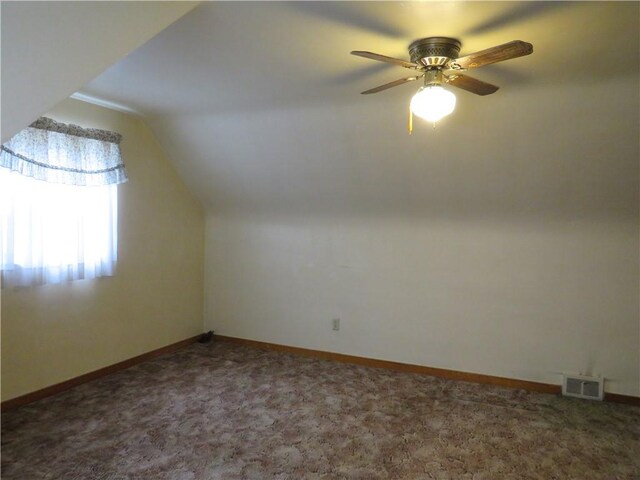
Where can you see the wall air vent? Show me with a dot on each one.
(583, 387)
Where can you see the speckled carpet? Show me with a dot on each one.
(223, 411)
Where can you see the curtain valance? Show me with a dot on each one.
(63, 153)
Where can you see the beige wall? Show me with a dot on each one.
(56, 332)
(525, 300)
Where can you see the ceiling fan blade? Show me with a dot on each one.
(471, 84)
(391, 84)
(499, 53)
(383, 58)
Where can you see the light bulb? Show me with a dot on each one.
(432, 103)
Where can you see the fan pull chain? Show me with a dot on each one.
(410, 121)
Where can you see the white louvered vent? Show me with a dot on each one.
(583, 387)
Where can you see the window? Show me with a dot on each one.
(54, 232)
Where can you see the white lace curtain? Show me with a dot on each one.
(60, 153)
(60, 224)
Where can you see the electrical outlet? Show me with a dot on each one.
(336, 324)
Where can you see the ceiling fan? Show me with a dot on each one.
(436, 60)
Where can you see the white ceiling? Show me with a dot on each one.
(50, 49)
(257, 104)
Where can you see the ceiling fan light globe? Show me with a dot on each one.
(433, 103)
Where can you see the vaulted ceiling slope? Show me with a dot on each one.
(258, 105)
(51, 49)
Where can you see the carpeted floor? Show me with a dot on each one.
(222, 411)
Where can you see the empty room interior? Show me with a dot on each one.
(320, 240)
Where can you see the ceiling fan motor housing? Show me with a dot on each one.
(434, 51)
